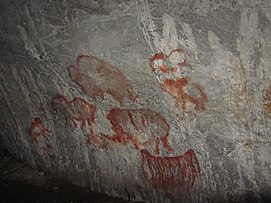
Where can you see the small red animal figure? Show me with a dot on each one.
(178, 90)
(97, 77)
(76, 110)
(182, 89)
(142, 127)
(171, 173)
(37, 130)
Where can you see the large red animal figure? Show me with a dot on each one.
(141, 127)
(97, 77)
(76, 110)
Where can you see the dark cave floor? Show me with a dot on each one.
(19, 183)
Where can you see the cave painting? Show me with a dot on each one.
(267, 100)
(37, 130)
(146, 130)
(171, 173)
(97, 77)
(47, 149)
(177, 89)
(76, 110)
(97, 140)
(177, 58)
(142, 127)
(184, 90)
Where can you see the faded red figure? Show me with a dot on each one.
(47, 149)
(97, 77)
(76, 110)
(179, 90)
(267, 100)
(141, 127)
(171, 174)
(177, 58)
(95, 139)
(183, 89)
(37, 130)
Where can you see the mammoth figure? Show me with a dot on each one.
(96, 77)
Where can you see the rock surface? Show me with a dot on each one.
(159, 101)
(19, 183)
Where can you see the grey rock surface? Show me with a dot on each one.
(20, 183)
(192, 80)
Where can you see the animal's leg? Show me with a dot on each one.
(35, 137)
(166, 144)
(83, 123)
(116, 95)
(89, 121)
(44, 131)
(199, 105)
(122, 139)
(148, 142)
(66, 121)
(96, 139)
(157, 145)
(201, 91)
(73, 122)
(135, 141)
(47, 130)
(183, 101)
(154, 143)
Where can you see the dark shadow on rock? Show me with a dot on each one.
(19, 183)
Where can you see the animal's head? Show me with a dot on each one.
(87, 62)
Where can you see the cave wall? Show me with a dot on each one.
(147, 100)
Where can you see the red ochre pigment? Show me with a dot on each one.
(132, 124)
(171, 174)
(76, 110)
(164, 61)
(176, 88)
(37, 130)
(267, 100)
(100, 142)
(184, 62)
(97, 77)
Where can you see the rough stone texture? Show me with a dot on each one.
(20, 183)
(213, 61)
